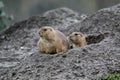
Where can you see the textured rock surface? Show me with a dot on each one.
(21, 60)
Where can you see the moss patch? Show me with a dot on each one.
(111, 77)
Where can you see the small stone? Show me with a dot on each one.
(2, 37)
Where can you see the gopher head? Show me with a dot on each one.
(47, 33)
(75, 37)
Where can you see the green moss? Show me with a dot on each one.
(111, 77)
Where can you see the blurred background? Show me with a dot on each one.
(17, 10)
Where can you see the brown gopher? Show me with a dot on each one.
(77, 39)
(52, 41)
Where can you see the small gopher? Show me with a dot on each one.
(77, 39)
(52, 41)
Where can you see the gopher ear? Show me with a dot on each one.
(81, 35)
(51, 29)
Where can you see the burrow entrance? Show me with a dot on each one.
(96, 38)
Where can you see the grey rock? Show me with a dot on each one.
(100, 57)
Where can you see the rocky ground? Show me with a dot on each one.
(20, 59)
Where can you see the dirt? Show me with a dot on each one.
(20, 58)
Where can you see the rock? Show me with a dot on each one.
(100, 57)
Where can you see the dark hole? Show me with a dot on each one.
(95, 38)
(13, 74)
(53, 53)
(71, 46)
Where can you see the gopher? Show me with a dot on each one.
(77, 39)
(52, 41)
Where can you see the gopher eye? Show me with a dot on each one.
(76, 34)
(44, 29)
